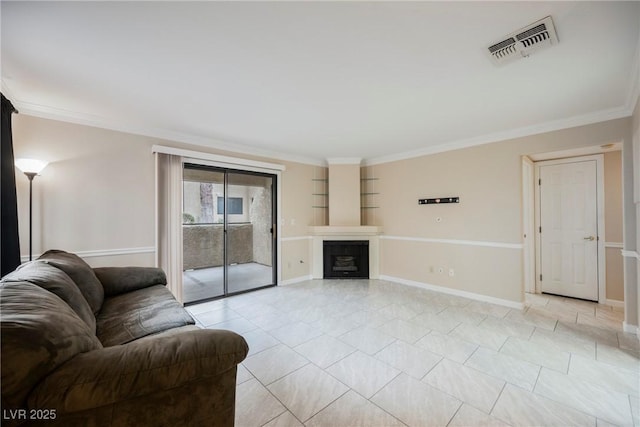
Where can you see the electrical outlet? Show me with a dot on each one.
(440, 270)
(452, 272)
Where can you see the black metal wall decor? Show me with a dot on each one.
(439, 200)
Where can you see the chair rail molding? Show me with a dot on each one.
(103, 252)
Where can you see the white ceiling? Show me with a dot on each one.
(308, 81)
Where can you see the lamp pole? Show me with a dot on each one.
(31, 168)
(30, 175)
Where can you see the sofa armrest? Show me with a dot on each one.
(118, 280)
(107, 376)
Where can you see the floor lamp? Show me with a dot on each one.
(31, 168)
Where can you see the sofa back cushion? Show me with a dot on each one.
(81, 273)
(39, 333)
(57, 281)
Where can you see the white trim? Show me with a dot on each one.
(52, 113)
(631, 329)
(630, 254)
(617, 245)
(614, 303)
(528, 226)
(577, 152)
(224, 160)
(456, 292)
(295, 280)
(455, 242)
(586, 119)
(292, 239)
(345, 230)
(103, 252)
(599, 159)
(344, 161)
(633, 92)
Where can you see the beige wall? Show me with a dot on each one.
(344, 195)
(298, 213)
(613, 225)
(613, 196)
(615, 275)
(487, 179)
(97, 194)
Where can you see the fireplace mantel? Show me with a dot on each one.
(345, 230)
(340, 232)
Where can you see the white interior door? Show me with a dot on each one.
(569, 229)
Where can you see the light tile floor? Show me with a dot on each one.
(374, 353)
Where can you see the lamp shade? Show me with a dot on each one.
(31, 165)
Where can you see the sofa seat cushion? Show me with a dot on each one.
(81, 273)
(136, 314)
(57, 281)
(40, 332)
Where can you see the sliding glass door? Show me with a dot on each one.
(250, 241)
(228, 232)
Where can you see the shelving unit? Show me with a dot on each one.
(368, 199)
(367, 184)
(320, 198)
(322, 203)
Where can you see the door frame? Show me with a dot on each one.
(528, 226)
(599, 159)
(248, 166)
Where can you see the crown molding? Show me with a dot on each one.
(344, 160)
(576, 152)
(634, 84)
(52, 113)
(586, 119)
(46, 112)
(8, 93)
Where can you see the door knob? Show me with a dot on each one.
(590, 238)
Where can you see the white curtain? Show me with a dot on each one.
(169, 220)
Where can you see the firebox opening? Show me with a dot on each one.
(346, 259)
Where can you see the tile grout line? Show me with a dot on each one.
(280, 414)
(498, 398)
(527, 338)
(456, 413)
(535, 384)
(379, 407)
(327, 405)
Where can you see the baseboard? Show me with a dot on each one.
(295, 280)
(614, 303)
(456, 292)
(631, 329)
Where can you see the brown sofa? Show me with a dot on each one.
(109, 347)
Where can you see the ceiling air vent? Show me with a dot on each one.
(521, 43)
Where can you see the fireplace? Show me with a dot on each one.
(346, 259)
